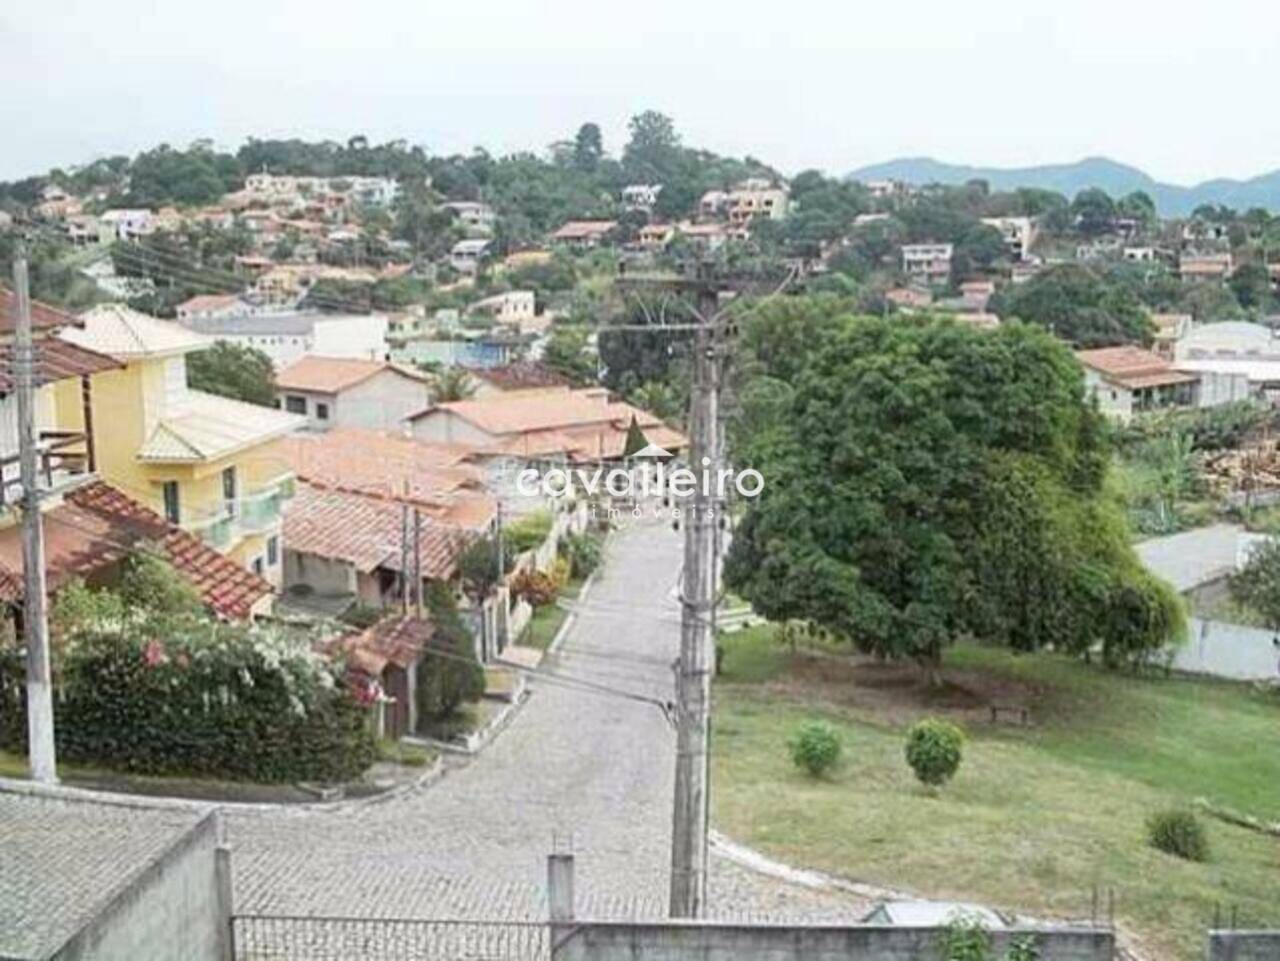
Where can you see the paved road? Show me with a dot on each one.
(572, 763)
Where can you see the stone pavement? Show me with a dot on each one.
(590, 769)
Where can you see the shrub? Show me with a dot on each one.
(964, 939)
(1179, 833)
(528, 532)
(447, 681)
(933, 750)
(815, 748)
(561, 572)
(537, 588)
(583, 552)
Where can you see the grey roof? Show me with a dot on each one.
(1193, 557)
(278, 325)
(62, 861)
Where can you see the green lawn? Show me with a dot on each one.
(548, 619)
(1036, 816)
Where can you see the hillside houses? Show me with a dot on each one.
(288, 336)
(348, 392)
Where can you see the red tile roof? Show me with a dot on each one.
(1133, 367)
(365, 531)
(522, 375)
(330, 375)
(43, 317)
(97, 526)
(393, 640)
(56, 359)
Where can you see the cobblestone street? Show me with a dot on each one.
(576, 764)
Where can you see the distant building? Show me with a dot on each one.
(640, 196)
(1170, 328)
(208, 306)
(976, 293)
(286, 337)
(909, 298)
(930, 263)
(126, 224)
(1018, 233)
(1129, 380)
(342, 392)
(522, 377)
(1205, 267)
(465, 256)
(476, 217)
(1233, 347)
(756, 198)
(1139, 255)
(584, 234)
(655, 236)
(516, 307)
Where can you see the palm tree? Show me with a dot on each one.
(450, 384)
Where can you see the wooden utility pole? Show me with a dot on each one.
(417, 563)
(41, 752)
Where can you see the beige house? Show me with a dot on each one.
(343, 392)
(1129, 380)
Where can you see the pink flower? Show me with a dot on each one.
(153, 654)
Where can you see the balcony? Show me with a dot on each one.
(62, 457)
(222, 526)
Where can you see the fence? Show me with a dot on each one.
(275, 938)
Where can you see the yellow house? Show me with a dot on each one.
(210, 464)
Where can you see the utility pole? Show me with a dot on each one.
(689, 824)
(690, 820)
(41, 752)
(417, 563)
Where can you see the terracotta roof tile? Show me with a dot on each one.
(522, 375)
(43, 317)
(98, 525)
(330, 375)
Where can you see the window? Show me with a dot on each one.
(273, 551)
(257, 566)
(295, 405)
(172, 511)
(229, 494)
(322, 411)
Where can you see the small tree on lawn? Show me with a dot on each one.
(933, 750)
(1257, 586)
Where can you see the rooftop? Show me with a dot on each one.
(97, 526)
(56, 359)
(583, 229)
(64, 860)
(204, 427)
(365, 530)
(127, 334)
(43, 317)
(522, 375)
(1133, 367)
(332, 375)
(393, 640)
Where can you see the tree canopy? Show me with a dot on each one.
(926, 481)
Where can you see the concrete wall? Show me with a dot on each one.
(1228, 650)
(622, 941)
(323, 575)
(177, 908)
(1244, 945)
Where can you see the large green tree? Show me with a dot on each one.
(231, 370)
(925, 481)
(1078, 304)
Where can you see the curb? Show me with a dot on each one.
(148, 802)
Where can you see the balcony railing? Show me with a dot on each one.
(221, 526)
(61, 455)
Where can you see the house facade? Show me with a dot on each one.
(208, 464)
(286, 337)
(346, 392)
(1127, 381)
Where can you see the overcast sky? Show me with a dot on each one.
(1186, 91)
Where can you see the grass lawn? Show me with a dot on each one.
(548, 619)
(1036, 815)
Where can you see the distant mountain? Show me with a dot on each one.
(1116, 179)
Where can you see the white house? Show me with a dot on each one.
(930, 263)
(476, 217)
(125, 224)
(1019, 233)
(1234, 347)
(344, 392)
(640, 196)
(513, 307)
(285, 337)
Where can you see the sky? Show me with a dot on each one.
(1184, 91)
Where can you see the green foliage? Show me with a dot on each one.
(924, 481)
(448, 674)
(452, 384)
(964, 939)
(815, 748)
(1257, 584)
(933, 750)
(567, 353)
(529, 531)
(232, 370)
(584, 553)
(188, 177)
(1180, 833)
(478, 565)
(1079, 305)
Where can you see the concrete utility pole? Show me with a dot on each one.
(41, 752)
(689, 824)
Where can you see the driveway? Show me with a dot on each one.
(575, 767)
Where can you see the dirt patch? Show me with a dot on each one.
(897, 693)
